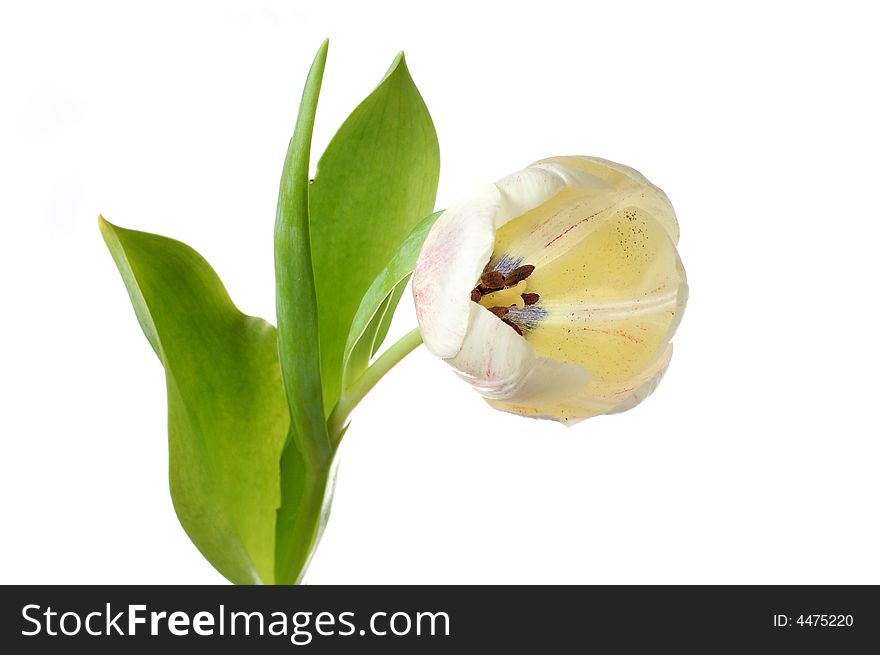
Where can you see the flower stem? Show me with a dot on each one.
(368, 379)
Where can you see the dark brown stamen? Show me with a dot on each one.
(476, 294)
(500, 312)
(530, 298)
(513, 325)
(492, 280)
(518, 274)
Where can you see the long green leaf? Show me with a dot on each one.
(307, 456)
(375, 182)
(298, 337)
(227, 414)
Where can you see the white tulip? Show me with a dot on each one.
(586, 331)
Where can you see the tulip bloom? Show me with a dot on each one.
(555, 292)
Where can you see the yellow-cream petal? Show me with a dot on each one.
(650, 197)
(612, 302)
(593, 398)
(612, 289)
(610, 305)
(549, 230)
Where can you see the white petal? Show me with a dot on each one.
(524, 190)
(548, 381)
(452, 258)
(572, 177)
(501, 365)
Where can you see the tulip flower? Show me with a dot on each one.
(555, 292)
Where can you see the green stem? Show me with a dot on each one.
(368, 379)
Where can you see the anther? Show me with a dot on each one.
(518, 274)
(530, 298)
(500, 312)
(476, 294)
(492, 280)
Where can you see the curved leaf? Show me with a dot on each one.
(373, 317)
(374, 183)
(298, 340)
(360, 355)
(227, 414)
(306, 460)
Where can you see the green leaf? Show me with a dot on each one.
(373, 317)
(360, 355)
(375, 182)
(298, 341)
(387, 314)
(305, 462)
(227, 414)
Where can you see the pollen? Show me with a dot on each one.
(502, 290)
(517, 274)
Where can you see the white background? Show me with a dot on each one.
(755, 461)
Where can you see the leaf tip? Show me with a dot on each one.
(321, 55)
(320, 58)
(398, 64)
(105, 226)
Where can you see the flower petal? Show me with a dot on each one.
(525, 190)
(611, 286)
(451, 261)
(501, 365)
(612, 303)
(597, 191)
(651, 198)
(646, 383)
(576, 403)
